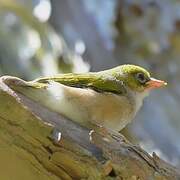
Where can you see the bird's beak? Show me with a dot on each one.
(155, 83)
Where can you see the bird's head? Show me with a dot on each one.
(138, 79)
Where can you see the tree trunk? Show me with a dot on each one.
(39, 143)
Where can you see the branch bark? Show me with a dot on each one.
(39, 143)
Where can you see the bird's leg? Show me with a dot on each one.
(99, 129)
(106, 134)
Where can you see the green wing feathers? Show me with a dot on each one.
(96, 81)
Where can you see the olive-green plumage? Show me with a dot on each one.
(113, 80)
(109, 98)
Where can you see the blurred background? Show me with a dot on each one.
(45, 37)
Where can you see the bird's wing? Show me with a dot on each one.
(95, 81)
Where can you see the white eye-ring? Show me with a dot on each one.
(141, 78)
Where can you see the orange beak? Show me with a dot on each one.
(155, 83)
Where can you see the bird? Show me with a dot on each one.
(109, 98)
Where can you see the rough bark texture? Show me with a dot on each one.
(39, 143)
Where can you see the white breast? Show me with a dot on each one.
(86, 105)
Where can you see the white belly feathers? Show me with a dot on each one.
(86, 105)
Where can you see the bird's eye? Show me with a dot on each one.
(141, 78)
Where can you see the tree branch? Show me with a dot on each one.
(47, 145)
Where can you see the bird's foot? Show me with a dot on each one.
(107, 134)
